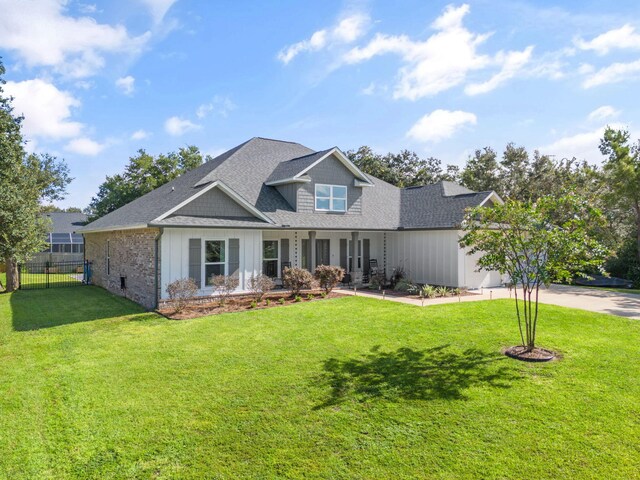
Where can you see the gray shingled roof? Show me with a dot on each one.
(247, 167)
(65, 222)
(434, 206)
(291, 168)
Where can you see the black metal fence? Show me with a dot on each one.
(36, 275)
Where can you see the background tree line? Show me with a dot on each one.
(613, 187)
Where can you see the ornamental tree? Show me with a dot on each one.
(25, 181)
(534, 244)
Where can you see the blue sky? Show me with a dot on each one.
(98, 81)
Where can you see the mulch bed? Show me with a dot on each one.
(239, 304)
(394, 293)
(520, 352)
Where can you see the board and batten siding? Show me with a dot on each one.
(174, 248)
(434, 257)
(426, 256)
(330, 171)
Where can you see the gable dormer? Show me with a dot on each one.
(321, 182)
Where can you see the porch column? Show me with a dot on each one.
(312, 247)
(356, 274)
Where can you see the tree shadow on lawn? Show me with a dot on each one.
(37, 309)
(429, 374)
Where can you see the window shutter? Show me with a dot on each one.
(284, 250)
(234, 257)
(343, 253)
(365, 255)
(195, 260)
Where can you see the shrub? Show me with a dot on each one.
(267, 302)
(328, 276)
(428, 291)
(296, 279)
(223, 287)
(298, 298)
(310, 297)
(377, 281)
(260, 284)
(253, 304)
(180, 291)
(323, 294)
(397, 275)
(404, 285)
(442, 291)
(281, 301)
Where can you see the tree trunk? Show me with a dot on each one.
(13, 281)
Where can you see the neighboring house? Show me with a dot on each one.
(63, 244)
(266, 204)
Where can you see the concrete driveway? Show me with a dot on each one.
(594, 300)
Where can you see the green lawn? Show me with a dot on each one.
(39, 280)
(93, 387)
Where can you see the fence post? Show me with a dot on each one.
(46, 270)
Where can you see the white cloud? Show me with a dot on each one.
(443, 60)
(512, 63)
(158, 8)
(346, 31)
(42, 34)
(583, 146)
(85, 146)
(126, 84)
(601, 113)
(46, 109)
(220, 105)
(614, 73)
(177, 126)
(440, 124)
(140, 135)
(624, 37)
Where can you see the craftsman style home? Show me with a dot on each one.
(267, 204)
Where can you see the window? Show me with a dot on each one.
(351, 255)
(305, 254)
(270, 258)
(331, 198)
(214, 259)
(323, 252)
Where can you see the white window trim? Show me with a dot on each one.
(205, 263)
(330, 198)
(350, 256)
(277, 258)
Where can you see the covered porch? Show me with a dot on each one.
(355, 251)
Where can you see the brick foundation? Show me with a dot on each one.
(131, 254)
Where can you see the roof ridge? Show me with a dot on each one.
(276, 140)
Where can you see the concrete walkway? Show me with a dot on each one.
(594, 300)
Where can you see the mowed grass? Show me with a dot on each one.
(91, 386)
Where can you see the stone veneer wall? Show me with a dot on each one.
(132, 254)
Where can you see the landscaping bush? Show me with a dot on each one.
(442, 291)
(377, 281)
(328, 276)
(181, 291)
(404, 285)
(296, 279)
(397, 275)
(223, 287)
(428, 291)
(260, 284)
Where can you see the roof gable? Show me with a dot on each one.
(294, 170)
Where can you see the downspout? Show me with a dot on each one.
(155, 267)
